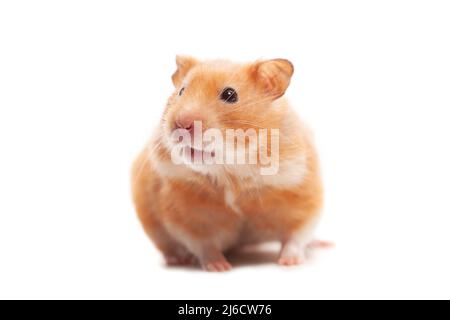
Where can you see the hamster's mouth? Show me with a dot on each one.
(200, 154)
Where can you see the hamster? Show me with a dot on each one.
(195, 212)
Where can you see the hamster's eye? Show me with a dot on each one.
(181, 91)
(229, 95)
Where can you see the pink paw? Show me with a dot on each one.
(290, 261)
(217, 266)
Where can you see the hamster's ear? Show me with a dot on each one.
(184, 64)
(273, 76)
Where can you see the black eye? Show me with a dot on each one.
(181, 92)
(229, 95)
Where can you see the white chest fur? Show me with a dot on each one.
(230, 201)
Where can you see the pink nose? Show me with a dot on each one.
(186, 122)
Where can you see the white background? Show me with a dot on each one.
(83, 83)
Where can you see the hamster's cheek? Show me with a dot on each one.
(170, 119)
(166, 127)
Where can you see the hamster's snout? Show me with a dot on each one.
(184, 123)
(187, 122)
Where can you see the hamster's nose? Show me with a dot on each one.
(186, 123)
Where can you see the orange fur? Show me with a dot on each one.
(185, 212)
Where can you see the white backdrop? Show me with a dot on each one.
(82, 84)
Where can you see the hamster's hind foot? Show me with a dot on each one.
(292, 254)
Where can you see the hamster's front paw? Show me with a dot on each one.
(217, 266)
(215, 263)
